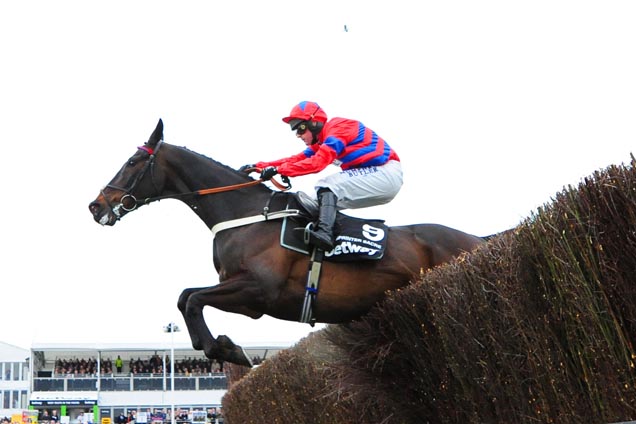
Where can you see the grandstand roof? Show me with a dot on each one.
(128, 350)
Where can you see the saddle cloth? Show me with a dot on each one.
(356, 238)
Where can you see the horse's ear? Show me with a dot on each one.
(157, 134)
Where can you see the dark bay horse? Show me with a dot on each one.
(258, 276)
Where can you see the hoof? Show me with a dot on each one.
(233, 353)
(239, 357)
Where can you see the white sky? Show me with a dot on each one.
(493, 106)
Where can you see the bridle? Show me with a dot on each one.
(130, 198)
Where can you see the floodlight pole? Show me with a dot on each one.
(171, 328)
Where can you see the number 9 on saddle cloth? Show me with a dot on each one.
(356, 238)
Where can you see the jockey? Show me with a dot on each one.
(371, 171)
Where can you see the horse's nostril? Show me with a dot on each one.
(94, 207)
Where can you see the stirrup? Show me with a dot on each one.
(307, 233)
(310, 239)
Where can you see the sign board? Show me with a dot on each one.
(26, 417)
(59, 399)
(60, 402)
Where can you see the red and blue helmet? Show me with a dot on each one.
(306, 112)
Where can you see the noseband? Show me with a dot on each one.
(128, 197)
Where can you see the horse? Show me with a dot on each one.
(257, 275)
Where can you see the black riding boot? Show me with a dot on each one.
(322, 236)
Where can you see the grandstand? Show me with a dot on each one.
(72, 379)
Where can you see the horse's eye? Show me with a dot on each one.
(131, 163)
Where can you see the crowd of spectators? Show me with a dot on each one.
(189, 366)
(163, 416)
(152, 365)
(48, 417)
(147, 365)
(197, 366)
(82, 366)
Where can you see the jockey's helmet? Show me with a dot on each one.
(307, 112)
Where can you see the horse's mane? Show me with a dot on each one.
(207, 163)
(213, 162)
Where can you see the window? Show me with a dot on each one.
(11, 371)
(15, 370)
(23, 399)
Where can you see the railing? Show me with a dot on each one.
(133, 382)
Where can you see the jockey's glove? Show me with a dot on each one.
(268, 173)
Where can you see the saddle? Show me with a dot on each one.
(356, 238)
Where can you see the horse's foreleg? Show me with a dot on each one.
(239, 296)
(195, 336)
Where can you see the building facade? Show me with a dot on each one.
(14, 379)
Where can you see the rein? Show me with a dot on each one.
(214, 190)
(129, 202)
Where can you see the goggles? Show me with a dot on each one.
(302, 128)
(299, 125)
